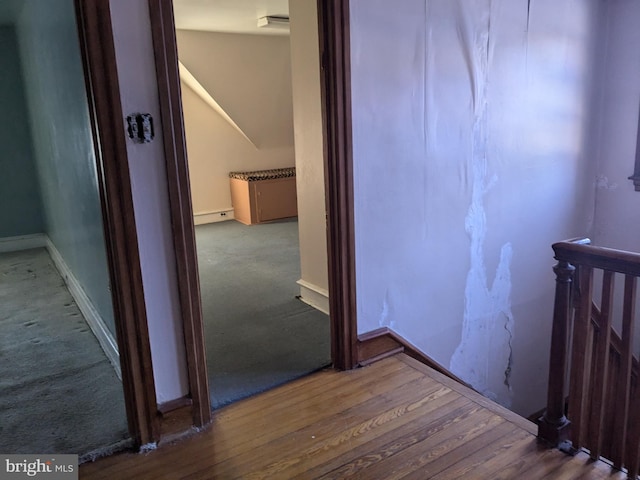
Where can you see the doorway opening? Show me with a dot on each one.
(263, 274)
(59, 357)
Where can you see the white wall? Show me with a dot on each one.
(215, 148)
(138, 88)
(249, 76)
(457, 198)
(617, 221)
(307, 122)
(471, 120)
(243, 73)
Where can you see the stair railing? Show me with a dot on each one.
(590, 363)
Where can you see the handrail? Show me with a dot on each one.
(603, 377)
(582, 252)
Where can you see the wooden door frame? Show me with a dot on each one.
(163, 32)
(333, 27)
(103, 90)
(334, 46)
(335, 54)
(125, 275)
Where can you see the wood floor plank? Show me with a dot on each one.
(545, 460)
(461, 449)
(354, 457)
(356, 387)
(372, 458)
(233, 439)
(324, 439)
(295, 435)
(468, 467)
(276, 403)
(546, 465)
(463, 390)
(396, 419)
(420, 457)
(517, 448)
(383, 446)
(576, 468)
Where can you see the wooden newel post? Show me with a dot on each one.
(553, 426)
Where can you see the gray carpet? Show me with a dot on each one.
(258, 334)
(58, 391)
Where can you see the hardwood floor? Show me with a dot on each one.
(394, 419)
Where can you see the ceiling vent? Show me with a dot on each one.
(274, 21)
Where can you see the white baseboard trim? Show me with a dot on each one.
(314, 296)
(201, 218)
(89, 312)
(22, 242)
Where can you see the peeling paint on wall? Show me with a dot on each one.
(487, 328)
(603, 183)
(384, 315)
(469, 126)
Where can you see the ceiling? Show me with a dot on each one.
(231, 16)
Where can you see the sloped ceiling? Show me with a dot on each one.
(190, 81)
(249, 77)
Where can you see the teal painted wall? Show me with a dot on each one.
(20, 204)
(59, 116)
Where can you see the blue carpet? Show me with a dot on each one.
(258, 334)
(59, 393)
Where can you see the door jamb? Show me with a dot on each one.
(103, 93)
(333, 28)
(96, 39)
(334, 39)
(166, 58)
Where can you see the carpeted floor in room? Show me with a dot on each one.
(257, 333)
(58, 391)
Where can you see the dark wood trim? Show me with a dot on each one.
(538, 414)
(554, 427)
(177, 424)
(384, 342)
(101, 76)
(636, 171)
(166, 58)
(582, 253)
(333, 28)
(417, 354)
(170, 406)
(334, 46)
(535, 416)
(376, 345)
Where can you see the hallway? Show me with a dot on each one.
(394, 419)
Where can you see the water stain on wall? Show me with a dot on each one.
(487, 329)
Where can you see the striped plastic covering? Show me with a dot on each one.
(264, 174)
